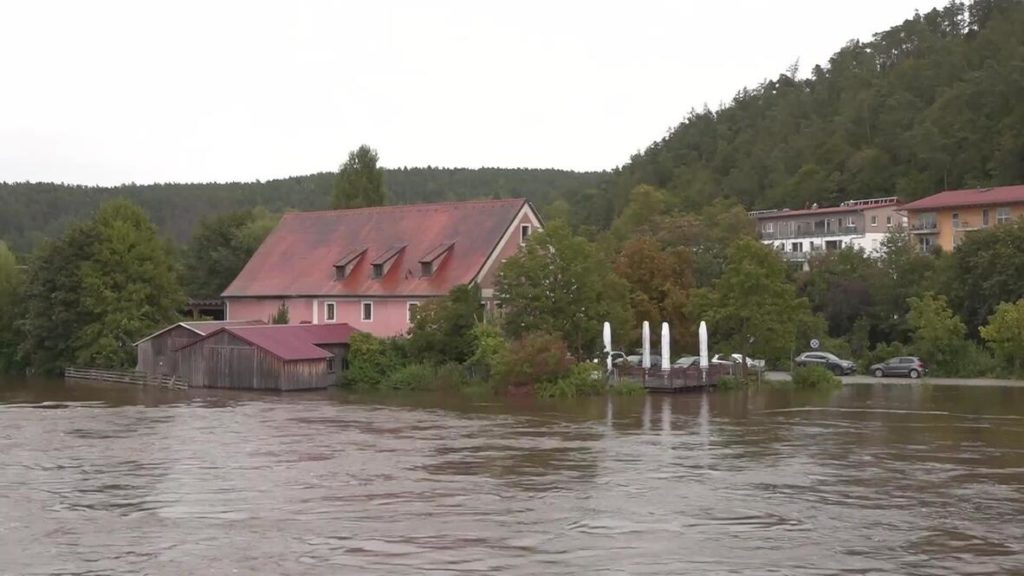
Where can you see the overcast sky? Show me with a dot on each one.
(104, 92)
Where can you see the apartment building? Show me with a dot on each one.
(944, 219)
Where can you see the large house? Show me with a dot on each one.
(799, 234)
(944, 219)
(371, 267)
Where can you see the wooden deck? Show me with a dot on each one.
(123, 377)
(675, 380)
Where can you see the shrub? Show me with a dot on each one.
(814, 377)
(410, 377)
(730, 383)
(532, 359)
(372, 359)
(627, 388)
(488, 346)
(584, 379)
(1004, 335)
(881, 353)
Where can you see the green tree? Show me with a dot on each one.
(99, 288)
(938, 336)
(753, 308)
(842, 286)
(281, 316)
(989, 269)
(442, 330)
(1004, 335)
(221, 247)
(659, 283)
(559, 284)
(360, 183)
(10, 308)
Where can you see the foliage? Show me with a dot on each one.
(11, 286)
(442, 329)
(1004, 334)
(371, 360)
(814, 377)
(753, 300)
(488, 346)
(841, 285)
(532, 359)
(360, 183)
(220, 248)
(559, 284)
(939, 339)
(420, 376)
(627, 388)
(659, 282)
(102, 286)
(583, 379)
(730, 383)
(281, 316)
(989, 269)
(882, 352)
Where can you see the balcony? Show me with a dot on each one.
(926, 227)
(797, 234)
(963, 225)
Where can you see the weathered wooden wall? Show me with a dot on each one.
(157, 356)
(225, 361)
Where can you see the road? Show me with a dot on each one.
(865, 379)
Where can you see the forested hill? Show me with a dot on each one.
(935, 102)
(32, 211)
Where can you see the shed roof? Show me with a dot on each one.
(289, 341)
(202, 327)
(298, 257)
(970, 197)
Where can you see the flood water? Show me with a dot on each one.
(870, 479)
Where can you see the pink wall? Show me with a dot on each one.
(506, 251)
(390, 316)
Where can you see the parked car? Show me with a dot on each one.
(826, 360)
(752, 364)
(638, 360)
(900, 366)
(618, 358)
(686, 361)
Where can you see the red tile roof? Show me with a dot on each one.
(970, 197)
(289, 341)
(203, 327)
(298, 257)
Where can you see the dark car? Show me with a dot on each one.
(910, 366)
(826, 360)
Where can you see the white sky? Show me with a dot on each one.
(102, 92)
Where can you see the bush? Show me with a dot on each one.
(533, 359)
(730, 383)
(627, 388)
(881, 353)
(1004, 335)
(371, 360)
(814, 377)
(488, 346)
(584, 379)
(422, 376)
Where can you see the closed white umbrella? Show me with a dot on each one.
(704, 360)
(608, 344)
(646, 343)
(666, 360)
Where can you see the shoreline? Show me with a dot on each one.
(867, 379)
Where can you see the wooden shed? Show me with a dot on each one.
(270, 357)
(156, 352)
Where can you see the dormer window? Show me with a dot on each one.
(346, 263)
(381, 264)
(378, 270)
(426, 269)
(431, 261)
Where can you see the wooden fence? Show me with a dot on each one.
(124, 377)
(675, 380)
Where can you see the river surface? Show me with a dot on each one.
(870, 479)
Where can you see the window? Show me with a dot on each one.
(426, 269)
(340, 272)
(956, 219)
(768, 227)
(797, 247)
(1002, 215)
(888, 221)
(524, 232)
(330, 312)
(984, 217)
(410, 310)
(378, 270)
(330, 365)
(850, 223)
(874, 220)
(367, 312)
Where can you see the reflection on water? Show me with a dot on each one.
(871, 479)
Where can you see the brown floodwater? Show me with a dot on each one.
(870, 479)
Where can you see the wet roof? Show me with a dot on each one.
(289, 341)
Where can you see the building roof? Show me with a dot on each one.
(970, 197)
(851, 206)
(203, 327)
(298, 258)
(289, 341)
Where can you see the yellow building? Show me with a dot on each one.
(945, 218)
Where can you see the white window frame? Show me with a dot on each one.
(768, 227)
(1000, 217)
(330, 312)
(528, 229)
(362, 311)
(888, 221)
(874, 220)
(850, 223)
(408, 310)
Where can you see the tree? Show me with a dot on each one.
(989, 268)
(281, 316)
(842, 286)
(443, 330)
(92, 293)
(659, 283)
(360, 183)
(221, 247)
(753, 308)
(559, 284)
(10, 307)
(1004, 335)
(938, 336)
